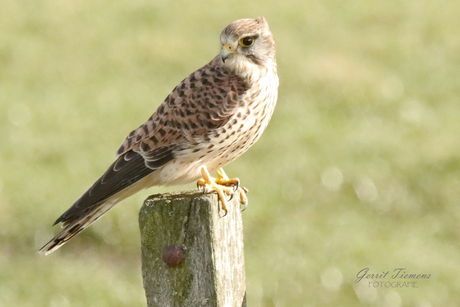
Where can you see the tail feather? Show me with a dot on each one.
(126, 176)
(122, 174)
(74, 228)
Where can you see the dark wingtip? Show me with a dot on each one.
(60, 219)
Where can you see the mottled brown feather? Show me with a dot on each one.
(211, 118)
(201, 103)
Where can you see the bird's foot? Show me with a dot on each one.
(224, 186)
(235, 182)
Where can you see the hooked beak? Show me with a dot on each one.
(227, 51)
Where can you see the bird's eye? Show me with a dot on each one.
(247, 41)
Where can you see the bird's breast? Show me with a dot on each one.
(247, 124)
(221, 146)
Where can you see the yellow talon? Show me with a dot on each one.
(222, 185)
(235, 182)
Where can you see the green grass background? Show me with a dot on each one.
(360, 166)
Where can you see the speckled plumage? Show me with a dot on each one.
(211, 118)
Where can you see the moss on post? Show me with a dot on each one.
(192, 255)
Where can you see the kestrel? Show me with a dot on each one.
(211, 118)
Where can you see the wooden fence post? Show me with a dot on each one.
(192, 255)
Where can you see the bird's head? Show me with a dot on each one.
(247, 42)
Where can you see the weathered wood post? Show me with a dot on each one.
(192, 255)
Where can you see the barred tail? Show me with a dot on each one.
(126, 176)
(74, 228)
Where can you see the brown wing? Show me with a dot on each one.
(199, 104)
(202, 102)
(128, 169)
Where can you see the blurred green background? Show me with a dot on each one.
(359, 168)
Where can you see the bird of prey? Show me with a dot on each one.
(211, 118)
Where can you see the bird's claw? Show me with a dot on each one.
(244, 199)
(200, 185)
(236, 186)
(223, 186)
